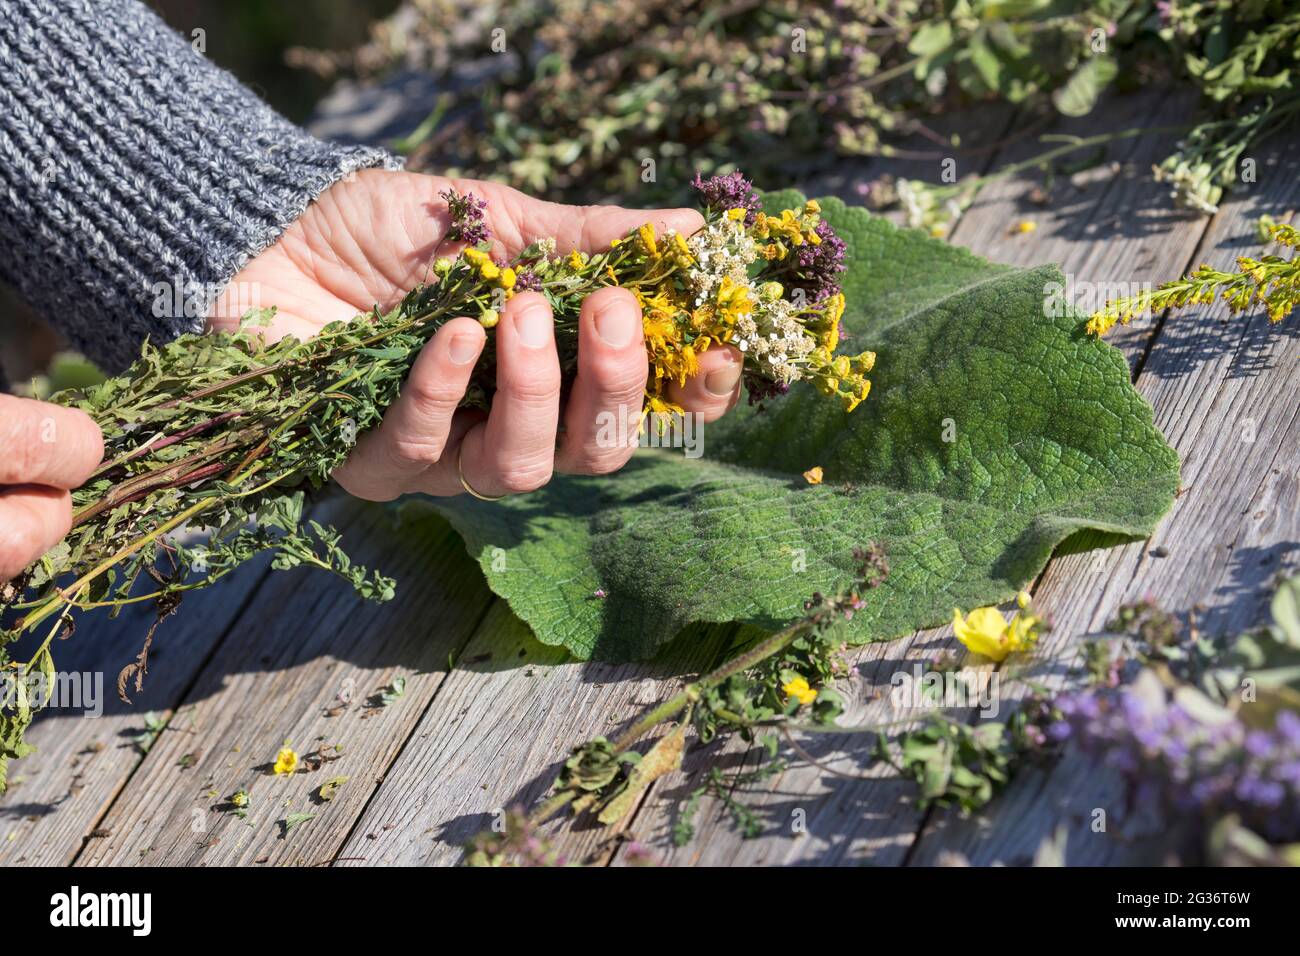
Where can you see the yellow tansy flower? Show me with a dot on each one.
(647, 236)
(682, 250)
(798, 688)
(286, 761)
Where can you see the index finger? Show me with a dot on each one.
(45, 444)
(591, 229)
(604, 224)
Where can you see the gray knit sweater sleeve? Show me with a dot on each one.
(135, 176)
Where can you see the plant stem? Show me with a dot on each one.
(687, 697)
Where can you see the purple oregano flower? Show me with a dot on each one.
(820, 265)
(467, 223)
(732, 191)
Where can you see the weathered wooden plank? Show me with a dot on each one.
(982, 134)
(1084, 230)
(302, 666)
(827, 812)
(1109, 226)
(58, 794)
(1227, 395)
(497, 734)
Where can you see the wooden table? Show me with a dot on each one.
(488, 713)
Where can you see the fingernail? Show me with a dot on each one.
(533, 325)
(616, 324)
(722, 382)
(463, 349)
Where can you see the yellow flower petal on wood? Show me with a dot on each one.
(286, 761)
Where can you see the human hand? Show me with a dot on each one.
(45, 451)
(369, 240)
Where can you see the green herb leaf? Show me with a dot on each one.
(330, 788)
(995, 429)
(294, 820)
(1079, 94)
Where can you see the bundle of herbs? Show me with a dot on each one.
(222, 434)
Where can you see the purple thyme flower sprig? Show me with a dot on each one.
(1173, 759)
(466, 212)
(526, 280)
(732, 191)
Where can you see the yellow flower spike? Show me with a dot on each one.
(798, 689)
(812, 237)
(835, 307)
(831, 337)
(647, 236)
(286, 761)
(812, 206)
(683, 250)
(1100, 324)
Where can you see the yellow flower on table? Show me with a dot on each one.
(286, 761)
(985, 631)
(798, 688)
